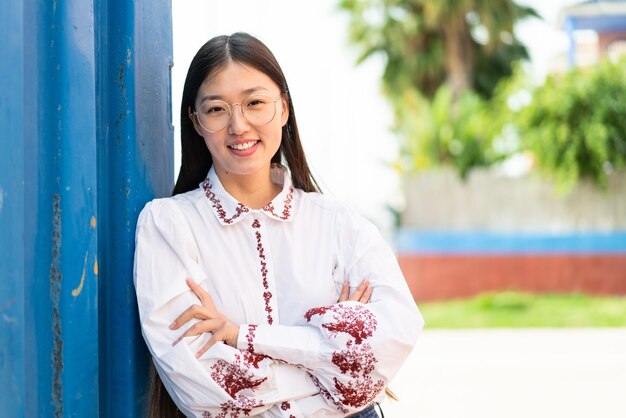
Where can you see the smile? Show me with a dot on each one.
(243, 146)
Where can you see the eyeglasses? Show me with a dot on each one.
(214, 115)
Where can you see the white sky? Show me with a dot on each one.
(343, 119)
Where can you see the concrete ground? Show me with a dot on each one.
(551, 373)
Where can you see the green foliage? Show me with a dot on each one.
(444, 60)
(445, 131)
(525, 310)
(575, 124)
(425, 42)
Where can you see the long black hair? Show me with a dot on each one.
(196, 159)
(211, 57)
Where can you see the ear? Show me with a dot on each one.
(194, 120)
(284, 115)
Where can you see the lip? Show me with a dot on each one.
(247, 152)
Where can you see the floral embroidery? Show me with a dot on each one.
(327, 394)
(316, 311)
(285, 406)
(250, 336)
(250, 356)
(358, 392)
(217, 205)
(357, 360)
(286, 206)
(242, 405)
(235, 377)
(357, 321)
(267, 295)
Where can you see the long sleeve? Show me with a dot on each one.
(224, 382)
(350, 349)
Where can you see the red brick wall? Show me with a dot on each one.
(434, 277)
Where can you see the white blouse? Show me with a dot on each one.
(278, 272)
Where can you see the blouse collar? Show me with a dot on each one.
(229, 210)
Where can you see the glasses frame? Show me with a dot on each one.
(229, 107)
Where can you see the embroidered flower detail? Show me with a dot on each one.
(286, 406)
(325, 393)
(217, 205)
(358, 392)
(357, 321)
(286, 206)
(241, 406)
(267, 295)
(235, 377)
(250, 336)
(357, 360)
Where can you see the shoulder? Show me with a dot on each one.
(168, 209)
(343, 214)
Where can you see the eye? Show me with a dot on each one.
(215, 109)
(257, 101)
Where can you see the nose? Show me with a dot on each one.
(237, 124)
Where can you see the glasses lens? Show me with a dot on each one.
(213, 115)
(259, 109)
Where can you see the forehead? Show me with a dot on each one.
(236, 79)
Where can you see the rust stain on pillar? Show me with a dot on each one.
(55, 297)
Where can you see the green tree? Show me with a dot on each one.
(443, 60)
(467, 44)
(575, 125)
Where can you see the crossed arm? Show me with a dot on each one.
(223, 329)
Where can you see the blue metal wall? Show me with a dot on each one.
(86, 140)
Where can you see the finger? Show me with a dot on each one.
(367, 295)
(194, 311)
(205, 326)
(214, 338)
(358, 292)
(202, 294)
(345, 292)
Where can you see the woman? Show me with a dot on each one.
(238, 280)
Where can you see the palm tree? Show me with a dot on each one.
(467, 44)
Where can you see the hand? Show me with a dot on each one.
(223, 329)
(362, 293)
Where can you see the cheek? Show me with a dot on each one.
(211, 142)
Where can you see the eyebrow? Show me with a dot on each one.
(245, 92)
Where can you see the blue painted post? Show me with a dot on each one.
(86, 141)
(571, 52)
(12, 298)
(137, 164)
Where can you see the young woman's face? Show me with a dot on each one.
(245, 145)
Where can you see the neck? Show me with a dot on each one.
(253, 190)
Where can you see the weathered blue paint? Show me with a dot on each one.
(86, 141)
(137, 164)
(12, 298)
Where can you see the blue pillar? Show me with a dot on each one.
(136, 164)
(12, 297)
(86, 141)
(571, 52)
